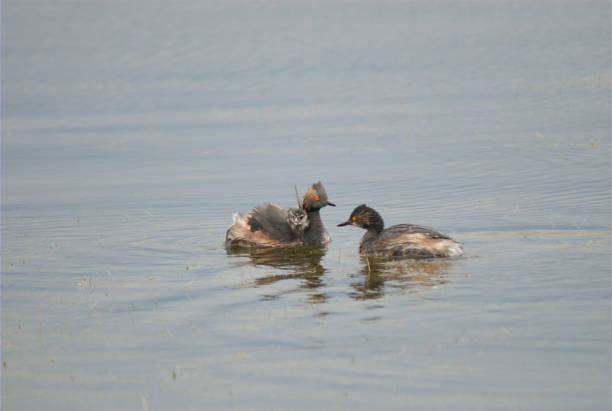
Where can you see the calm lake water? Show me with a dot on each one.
(131, 131)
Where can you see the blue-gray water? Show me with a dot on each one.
(131, 131)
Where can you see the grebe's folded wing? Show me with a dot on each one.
(272, 220)
(413, 229)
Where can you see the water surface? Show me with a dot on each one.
(132, 131)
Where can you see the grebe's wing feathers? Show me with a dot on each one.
(412, 228)
(272, 220)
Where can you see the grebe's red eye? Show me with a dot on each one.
(354, 218)
(317, 198)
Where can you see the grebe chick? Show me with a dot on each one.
(273, 226)
(402, 240)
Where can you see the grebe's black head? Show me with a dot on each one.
(365, 217)
(315, 198)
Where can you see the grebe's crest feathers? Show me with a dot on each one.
(316, 197)
(365, 217)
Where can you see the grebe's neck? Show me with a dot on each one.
(316, 231)
(375, 227)
(375, 224)
(371, 234)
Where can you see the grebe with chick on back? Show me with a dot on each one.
(273, 226)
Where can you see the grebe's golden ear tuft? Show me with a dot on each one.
(310, 194)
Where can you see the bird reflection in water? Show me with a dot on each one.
(380, 275)
(301, 263)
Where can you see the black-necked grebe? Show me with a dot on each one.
(402, 240)
(273, 226)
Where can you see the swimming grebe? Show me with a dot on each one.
(273, 226)
(402, 240)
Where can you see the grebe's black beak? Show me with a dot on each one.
(345, 223)
(331, 204)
